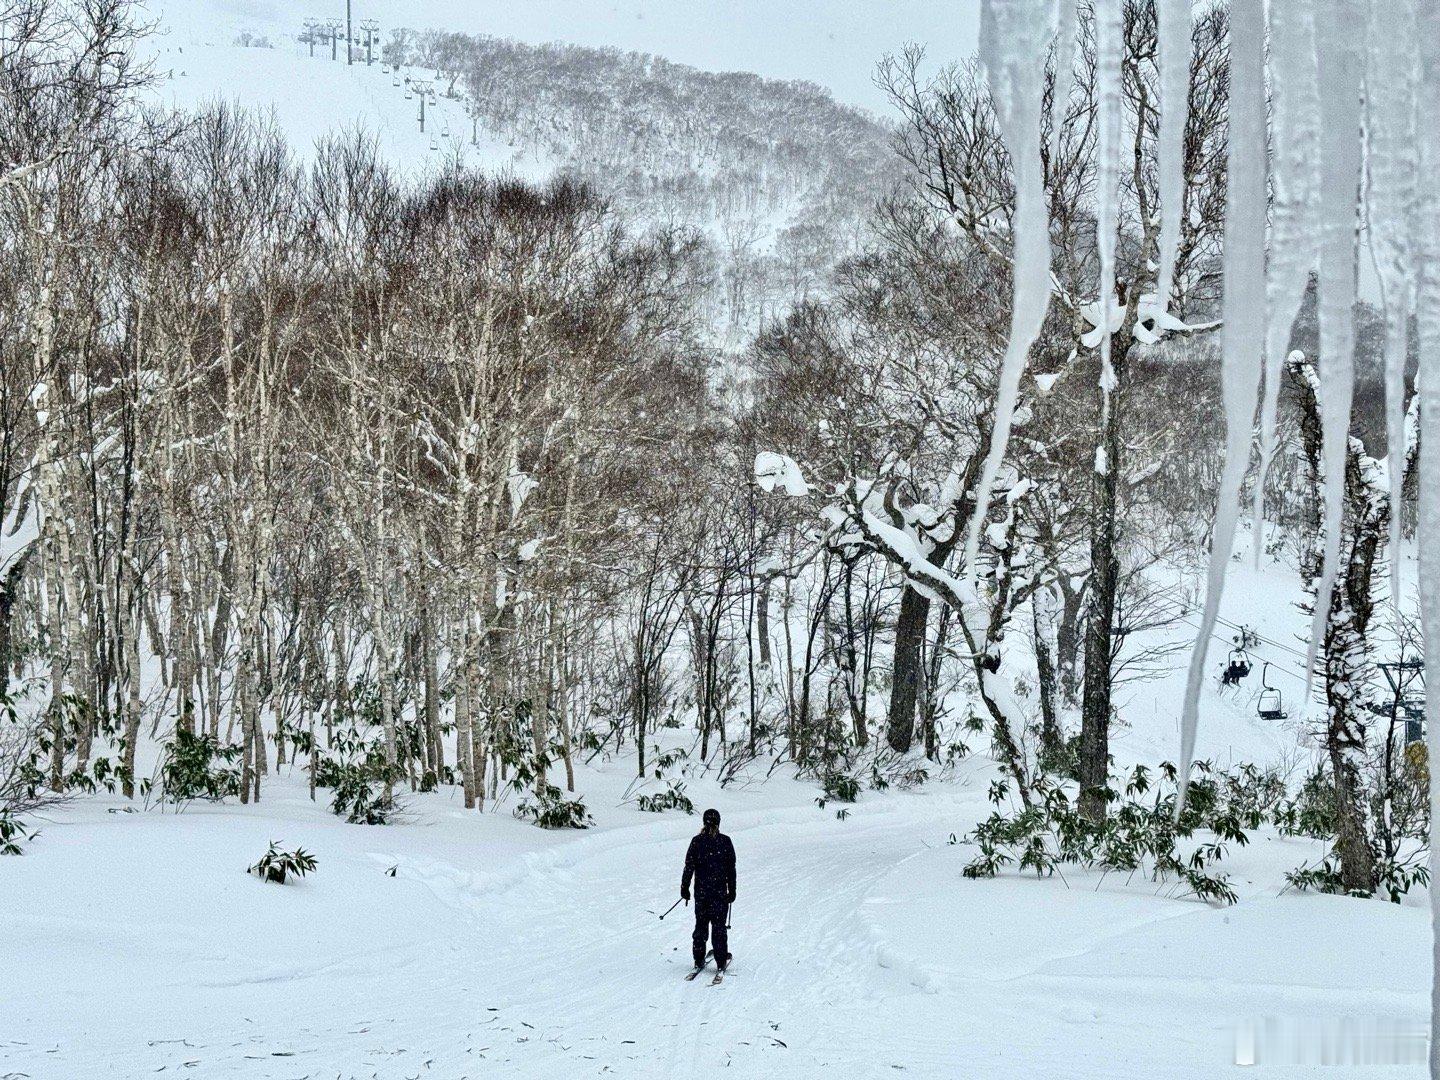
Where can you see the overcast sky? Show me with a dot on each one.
(835, 43)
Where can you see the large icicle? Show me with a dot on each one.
(1243, 334)
(1338, 51)
(1015, 37)
(1390, 76)
(1427, 309)
(1174, 29)
(1109, 74)
(1295, 138)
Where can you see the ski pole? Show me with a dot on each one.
(672, 907)
(727, 915)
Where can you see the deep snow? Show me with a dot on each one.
(136, 944)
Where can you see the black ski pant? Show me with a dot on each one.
(710, 923)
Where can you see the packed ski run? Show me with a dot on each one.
(523, 557)
(457, 946)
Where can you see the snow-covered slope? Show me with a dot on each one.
(462, 945)
(834, 43)
(311, 99)
(777, 176)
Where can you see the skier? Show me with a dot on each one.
(1235, 670)
(711, 862)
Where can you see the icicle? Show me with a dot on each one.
(1295, 136)
(1174, 29)
(1427, 309)
(1243, 334)
(1337, 41)
(1390, 77)
(1064, 72)
(1109, 61)
(1015, 36)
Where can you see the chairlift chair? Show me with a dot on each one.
(1236, 667)
(1271, 705)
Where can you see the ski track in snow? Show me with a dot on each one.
(860, 951)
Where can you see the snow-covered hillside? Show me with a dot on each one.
(456, 945)
(833, 43)
(311, 100)
(776, 176)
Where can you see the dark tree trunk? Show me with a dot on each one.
(1052, 740)
(1345, 647)
(762, 620)
(934, 660)
(855, 675)
(1094, 758)
(435, 750)
(909, 669)
(1067, 644)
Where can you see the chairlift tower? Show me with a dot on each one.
(349, 37)
(371, 27)
(312, 31)
(334, 27)
(1405, 677)
(422, 90)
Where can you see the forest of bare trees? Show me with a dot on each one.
(445, 481)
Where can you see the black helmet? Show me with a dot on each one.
(711, 818)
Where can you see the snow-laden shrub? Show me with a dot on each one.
(1394, 875)
(28, 757)
(1401, 793)
(665, 760)
(198, 767)
(542, 802)
(1137, 835)
(356, 771)
(13, 833)
(839, 786)
(1397, 825)
(22, 746)
(278, 865)
(1310, 811)
(1251, 793)
(550, 809)
(672, 798)
(360, 797)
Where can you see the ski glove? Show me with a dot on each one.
(684, 894)
(730, 898)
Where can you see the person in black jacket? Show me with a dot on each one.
(710, 862)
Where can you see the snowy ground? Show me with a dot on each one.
(135, 945)
(311, 99)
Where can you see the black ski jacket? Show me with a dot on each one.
(711, 862)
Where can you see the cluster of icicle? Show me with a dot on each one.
(1350, 147)
(1335, 123)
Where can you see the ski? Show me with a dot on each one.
(691, 976)
(718, 979)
